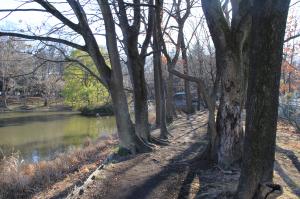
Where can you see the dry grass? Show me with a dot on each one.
(21, 180)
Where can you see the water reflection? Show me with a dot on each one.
(40, 136)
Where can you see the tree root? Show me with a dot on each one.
(269, 191)
(141, 146)
(159, 141)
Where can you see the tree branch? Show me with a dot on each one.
(148, 31)
(51, 9)
(79, 12)
(23, 10)
(34, 37)
(82, 65)
(208, 99)
(216, 22)
(292, 37)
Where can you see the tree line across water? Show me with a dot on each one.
(235, 60)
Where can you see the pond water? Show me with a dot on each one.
(41, 135)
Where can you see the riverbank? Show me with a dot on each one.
(36, 108)
(55, 177)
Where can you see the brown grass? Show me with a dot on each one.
(21, 180)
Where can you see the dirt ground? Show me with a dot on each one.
(165, 172)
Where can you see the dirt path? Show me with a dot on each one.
(287, 165)
(165, 172)
(153, 175)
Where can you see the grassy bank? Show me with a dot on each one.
(22, 180)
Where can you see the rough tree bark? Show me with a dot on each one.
(229, 42)
(268, 28)
(229, 121)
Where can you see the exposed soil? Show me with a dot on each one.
(166, 172)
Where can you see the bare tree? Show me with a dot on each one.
(180, 15)
(13, 64)
(109, 76)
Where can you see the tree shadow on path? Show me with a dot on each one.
(176, 166)
(291, 155)
(289, 181)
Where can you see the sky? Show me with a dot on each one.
(21, 17)
(33, 18)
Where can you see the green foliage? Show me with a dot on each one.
(81, 88)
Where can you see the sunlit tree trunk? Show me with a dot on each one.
(229, 121)
(170, 93)
(156, 90)
(157, 44)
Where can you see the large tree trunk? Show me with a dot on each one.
(159, 91)
(229, 41)
(127, 136)
(189, 105)
(156, 90)
(140, 96)
(211, 151)
(136, 61)
(163, 123)
(170, 93)
(269, 20)
(214, 137)
(229, 121)
(160, 95)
